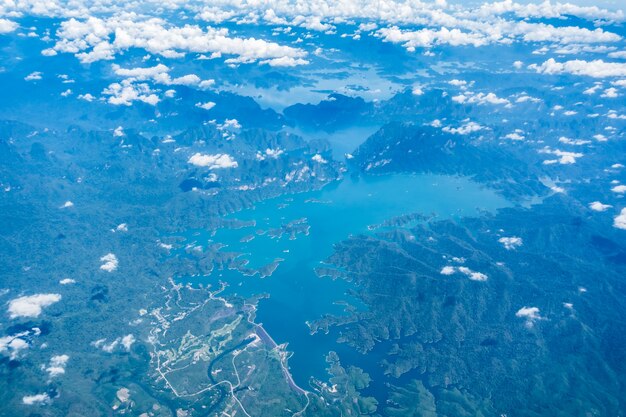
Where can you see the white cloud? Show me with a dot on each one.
(311, 23)
(14, 344)
(547, 9)
(427, 38)
(206, 106)
(86, 97)
(49, 52)
(36, 399)
(216, 161)
(596, 68)
(575, 142)
(269, 153)
(57, 365)
(514, 136)
(319, 159)
(610, 93)
(67, 204)
(467, 128)
(473, 275)
(110, 262)
(564, 157)
(526, 98)
(619, 189)
(97, 39)
(7, 26)
(511, 242)
(229, 124)
(141, 74)
(447, 270)
(620, 220)
(457, 83)
(67, 281)
(32, 305)
(126, 92)
(159, 74)
(284, 61)
(33, 76)
(531, 314)
(480, 98)
(539, 32)
(417, 91)
(598, 206)
(593, 90)
(127, 341)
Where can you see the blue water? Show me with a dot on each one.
(297, 294)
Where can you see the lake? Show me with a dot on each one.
(341, 209)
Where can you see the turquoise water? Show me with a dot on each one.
(296, 293)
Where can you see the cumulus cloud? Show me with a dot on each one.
(472, 275)
(127, 341)
(269, 153)
(126, 92)
(447, 270)
(57, 365)
(517, 135)
(319, 159)
(610, 92)
(7, 26)
(477, 32)
(427, 38)
(110, 262)
(465, 129)
(36, 399)
(284, 61)
(547, 9)
(575, 142)
(619, 189)
(598, 206)
(124, 343)
(33, 76)
(14, 344)
(564, 157)
(206, 106)
(512, 242)
(620, 220)
(540, 32)
(480, 98)
(97, 39)
(67, 281)
(530, 314)
(32, 305)
(87, 97)
(216, 161)
(596, 68)
(159, 74)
